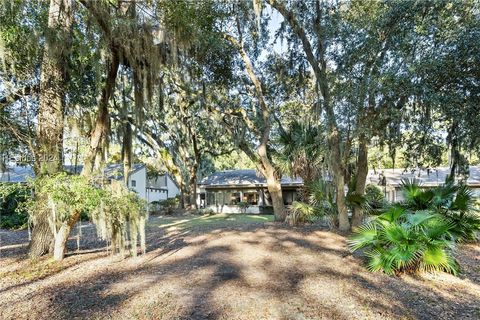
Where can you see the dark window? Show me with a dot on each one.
(251, 197)
(234, 197)
(134, 183)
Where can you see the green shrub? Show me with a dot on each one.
(320, 203)
(419, 234)
(403, 241)
(455, 203)
(168, 205)
(118, 213)
(12, 209)
(375, 198)
(243, 206)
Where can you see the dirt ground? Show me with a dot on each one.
(248, 269)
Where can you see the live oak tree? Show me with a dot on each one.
(256, 116)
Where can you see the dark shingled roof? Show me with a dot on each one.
(243, 177)
(427, 178)
(21, 174)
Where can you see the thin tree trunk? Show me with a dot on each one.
(127, 152)
(361, 178)
(51, 110)
(193, 191)
(61, 237)
(100, 133)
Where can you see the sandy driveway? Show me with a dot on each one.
(243, 271)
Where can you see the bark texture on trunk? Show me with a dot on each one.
(49, 149)
(42, 237)
(319, 66)
(62, 235)
(361, 178)
(275, 189)
(52, 88)
(100, 133)
(127, 152)
(193, 192)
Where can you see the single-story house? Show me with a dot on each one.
(152, 189)
(235, 191)
(390, 180)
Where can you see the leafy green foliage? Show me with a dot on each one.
(166, 206)
(419, 234)
(403, 241)
(63, 195)
(118, 213)
(375, 198)
(12, 198)
(319, 203)
(300, 151)
(454, 202)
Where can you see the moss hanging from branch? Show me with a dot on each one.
(120, 219)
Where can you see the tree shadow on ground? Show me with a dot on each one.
(225, 275)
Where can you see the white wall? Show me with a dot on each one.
(173, 190)
(140, 178)
(253, 209)
(156, 195)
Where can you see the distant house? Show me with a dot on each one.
(161, 187)
(137, 181)
(390, 180)
(226, 191)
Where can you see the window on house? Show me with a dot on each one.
(234, 198)
(134, 183)
(288, 197)
(251, 197)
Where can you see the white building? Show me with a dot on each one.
(157, 188)
(391, 185)
(161, 187)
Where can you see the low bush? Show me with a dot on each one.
(320, 204)
(243, 206)
(419, 233)
(403, 241)
(375, 198)
(12, 199)
(167, 206)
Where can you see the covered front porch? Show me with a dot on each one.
(253, 200)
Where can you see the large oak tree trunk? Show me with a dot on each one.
(49, 151)
(275, 189)
(42, 236)
(361, 178)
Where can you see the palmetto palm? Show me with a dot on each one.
(400, 240)
(300, 153)
(420, 232)
(319, 203)
(455, 202)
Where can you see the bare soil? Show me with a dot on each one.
(248, 270)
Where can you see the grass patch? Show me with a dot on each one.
(209, 221)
